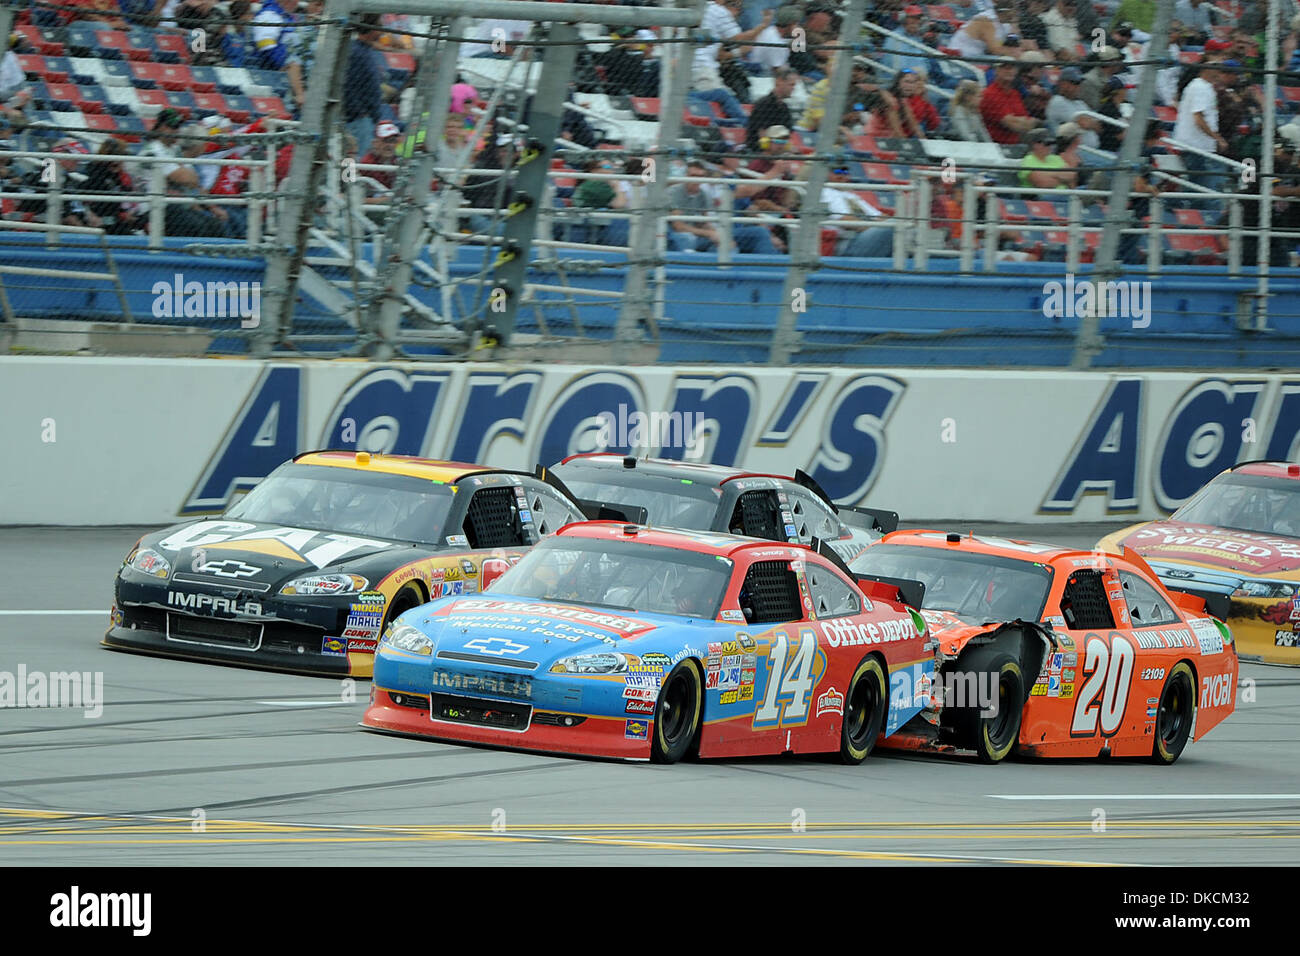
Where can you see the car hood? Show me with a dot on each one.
(1224, 548)
(257, 557)
(530, 634)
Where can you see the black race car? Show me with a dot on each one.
(304, 572)
(703, 497)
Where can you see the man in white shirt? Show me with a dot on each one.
(1062, 29)
(503, 33)
(720, 24)
(1198, 124)
(844, 204)
(772, 57)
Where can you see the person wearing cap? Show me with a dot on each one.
(843, 204)
(901, 54)
(1065, 106)
(1041, 167)
(1140, 13)
(1062, 29)
(1114, 104)
(383, 152)
(1285, 185)
(769, 58)
(1003, 109)
(628, 68)
(164, 143)
(1109, 61)
(772, 110)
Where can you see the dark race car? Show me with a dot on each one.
(702, 497)
(304, 573)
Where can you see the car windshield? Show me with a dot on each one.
(1256, 503)
(976, 586)
(625, 575)
(669, 502)
(325, 498)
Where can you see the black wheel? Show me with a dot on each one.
(1174, 719)
(865, 705)
(991, 736)
(677, 714)
(405, 599)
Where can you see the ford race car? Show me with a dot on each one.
(703, 497)
(1238, 536)
(1049, 652)
(615, 640)
(306, 570)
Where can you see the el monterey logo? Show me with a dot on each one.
(831, 702)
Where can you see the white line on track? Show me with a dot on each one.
(301, 703)
(103, 611)
(1143, 796)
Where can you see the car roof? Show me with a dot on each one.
(701, 472)
(443, 472)
(1016, 548)
(703, 542)
(1271, 469)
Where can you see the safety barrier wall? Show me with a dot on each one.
(1189, 317)
(95, 441)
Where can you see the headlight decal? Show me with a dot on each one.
(316, 585)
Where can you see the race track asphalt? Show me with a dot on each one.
(195, 763)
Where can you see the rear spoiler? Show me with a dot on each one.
(873, 519)
(901, 590)
(1215, 604)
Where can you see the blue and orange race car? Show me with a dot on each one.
(614, 640)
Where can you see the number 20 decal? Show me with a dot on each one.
(1109, 670)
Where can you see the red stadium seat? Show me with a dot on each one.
(1167, 114)
(1042, 209)
(270, 106)
(1189, 217)
(156, 98)
(173, 43)
(102, 122)
(734, 135)
(167, 76)
(208, 103)
(882, 173)
(116, 40)
(645, 107)
(1290, 93)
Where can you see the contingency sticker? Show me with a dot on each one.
(1207, 635)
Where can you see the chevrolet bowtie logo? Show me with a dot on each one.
(230, 568)
(497, 646)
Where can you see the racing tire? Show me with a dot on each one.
(993, 736)
(405, 599)
(1175, 715)
(866, 704)
(677, 714)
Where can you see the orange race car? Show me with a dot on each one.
(1050, 652)
(1238, 536)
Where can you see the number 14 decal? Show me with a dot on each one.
(1109, 670)
(790, 678)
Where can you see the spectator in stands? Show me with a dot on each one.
(1140, 13)
(1254, 16)
(693, 198)
(1066, 106)
(302, 50)
(1042, 167)
(163, 142)
(498, 38)
(964, 114)
(1286, 216)
(1108, 62)
(202, 15)
(1069, 137)
(74, 211)
(900, 54)
(819, 29)
(1031, 83)
(106, 12)
(732, 70)
(1114, 104)
(191, 218)
(272, 33)
(1002, 108)
(12, 77)
(843, 204)
(917, 114)
(771, 110)
(769, 58)
(629, 69)
(1062, 29)
(1032, 26)
(383, 152)
(763, 194)
(237, 45)
(362, 96)
(118, 218)
(720, 23)
(986, 33)
(1198, 123)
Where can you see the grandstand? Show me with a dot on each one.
(146, 141)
